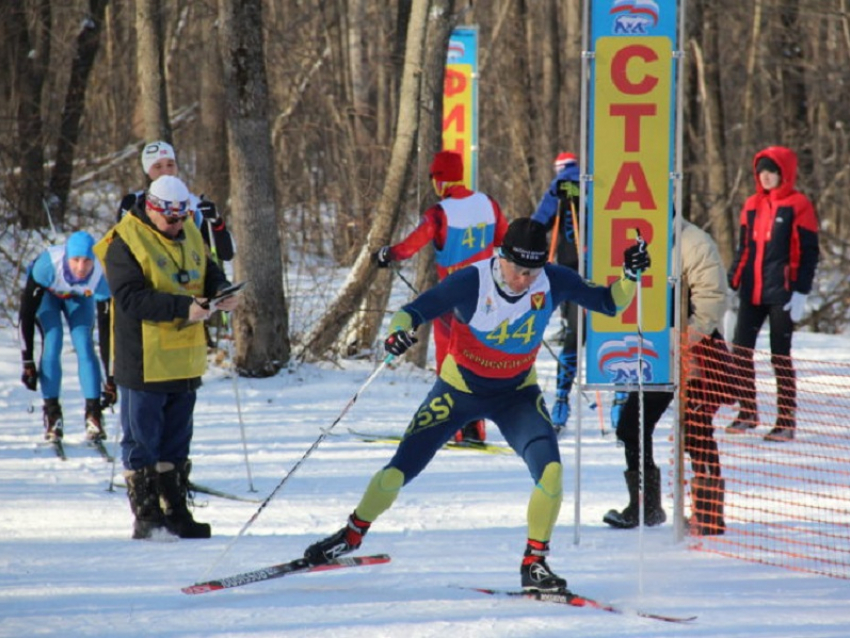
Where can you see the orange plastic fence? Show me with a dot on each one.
(783, 503)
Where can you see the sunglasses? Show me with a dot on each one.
(173, 212)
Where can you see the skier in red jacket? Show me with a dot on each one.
(773, 273)
(465, 227)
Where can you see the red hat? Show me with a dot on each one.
(563, 159)
(447, 167)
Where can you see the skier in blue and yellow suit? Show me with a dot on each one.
(500, 308)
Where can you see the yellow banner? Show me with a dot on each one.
(631, 175)
(458, 116)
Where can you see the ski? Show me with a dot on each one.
(58, 449)
(566, 597)
(299, 566)
(204, 489)
(478, 446)
(100, 447)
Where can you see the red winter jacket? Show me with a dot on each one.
(464, 241)
(778, 248)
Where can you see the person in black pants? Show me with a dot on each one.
(773, 272)
(705, 278)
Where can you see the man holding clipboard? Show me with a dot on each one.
(164, 286)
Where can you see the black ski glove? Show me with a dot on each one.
(399, 342)
(635, 260)
(382, 257)
(109, 396)
(209, 211)
(29, 376)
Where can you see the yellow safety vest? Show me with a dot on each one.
(171, 349)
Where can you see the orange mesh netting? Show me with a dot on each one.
(782, 502)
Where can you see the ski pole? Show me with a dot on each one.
(234, 374)
(115, 457)
(641, 242)
(310, 450)
(225, 321)
(404, 279)
(413, 289)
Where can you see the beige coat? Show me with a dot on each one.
(705, 278)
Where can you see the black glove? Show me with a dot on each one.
(635, 260)
(382, 257)
(126, 205)
(399, 342)
(109, 397)
(29, 377)
(209, 211)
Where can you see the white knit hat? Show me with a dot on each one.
(156, 151)
(168, 188)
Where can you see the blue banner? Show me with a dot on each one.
(631, 160)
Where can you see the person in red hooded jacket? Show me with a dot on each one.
(465, 227)
(773, 272)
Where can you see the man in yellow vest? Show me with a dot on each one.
(161, 279)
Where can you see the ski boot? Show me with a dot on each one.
(747, 419)
(342, 542)
(94, 421)
(53, 425)
(566, 377)
(786, 425)
(473, 432)
(561, 413)
(617, 408)
(535, 574)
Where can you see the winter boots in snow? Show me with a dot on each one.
(173, 488)
(786, 424)
(747, 419)
(158, 497)
(94, 421)
(342, 542)
(53, 426)
(653, 512)
(707, 496)
(149, 521)
(535, 573)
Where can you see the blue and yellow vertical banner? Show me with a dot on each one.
(460, 101)
(631, 158)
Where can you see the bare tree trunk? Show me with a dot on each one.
(88, 43)
(443, 21)
(714, 124)
(212, 175)
(261, 325)
(551, 77)
(325, 332)
(749, 89)
(357, 68)
(571, 100)
(32, 53)
(150, 64)
(521, 111)
(795, 100)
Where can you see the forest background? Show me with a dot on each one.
(319, 118)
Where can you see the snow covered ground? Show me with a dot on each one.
(69, 568)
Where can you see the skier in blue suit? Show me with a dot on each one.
(66, 280)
